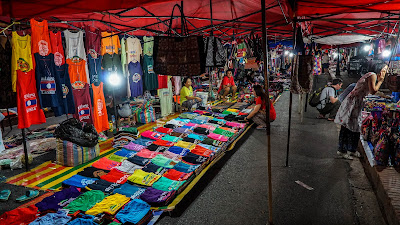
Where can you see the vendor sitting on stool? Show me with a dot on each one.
(259, 114)
(227, 85)
(187, 98)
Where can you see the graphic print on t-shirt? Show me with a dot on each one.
(23, 65)
(43, 48)
(100, 107)
(65, 90)
(48, 86)
(136, 77)
(93, 53)
(58, 58)
(150, 69)
(30, 102)
(84, 112)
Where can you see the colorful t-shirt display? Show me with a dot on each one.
(83, 104)
(40, 37)
(21, 56)
(29, 111)
(57, 48)
(109, 44)
(99, 109)
(135, 79)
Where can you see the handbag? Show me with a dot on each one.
(302, 76)
(145, 114)
(179, 56)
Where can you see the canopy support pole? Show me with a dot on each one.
(291, 98)
(266, 87)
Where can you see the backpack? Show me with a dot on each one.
(314, 98)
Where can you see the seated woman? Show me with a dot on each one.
(227, 85)
(259, 114)
(187, 98)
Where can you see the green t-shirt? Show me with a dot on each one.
(85, 201)
(186, 92)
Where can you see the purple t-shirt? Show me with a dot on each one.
(135, 79)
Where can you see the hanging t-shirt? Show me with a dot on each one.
(112, 65)
(123, 56)
(40, 37)
(133, 49)
(57, 48)
(150, 78)
(67, 105)
(7, 97)
(92, 40)
(77, 72)
(109, 44)
(83, 105)
(29, 111)
(165, 95)
(47, 82)
(21, 56)
(99, 109)
(74, 45)
(162, 81)
(177, 84)
(135, 79)
(94, 62)
(148, 46)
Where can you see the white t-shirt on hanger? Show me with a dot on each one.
(74, 45)
(133, 50)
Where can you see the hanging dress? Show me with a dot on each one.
(67, 105)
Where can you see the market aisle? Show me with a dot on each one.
(238, 192)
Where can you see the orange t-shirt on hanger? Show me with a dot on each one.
(109, 45)
(99, 109)
(77, 72)
(40, 37)
(57, 48)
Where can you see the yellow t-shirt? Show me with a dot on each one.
(21, 56)
(186, 92)
(143, 178)
(110, 205)
(110, 44)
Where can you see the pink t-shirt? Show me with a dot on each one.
(145, 153)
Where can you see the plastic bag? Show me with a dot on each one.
(74, 131)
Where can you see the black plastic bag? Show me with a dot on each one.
(74, 131)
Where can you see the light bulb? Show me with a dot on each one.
(335, 55)
(386, 53)
(114, 79)
(367, 48)
(286, 52)
(291, 55)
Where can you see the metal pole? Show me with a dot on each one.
(291, 99)
(268, 131)
(115, 109)
(337, 63)
(25, 149)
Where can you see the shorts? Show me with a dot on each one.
(230, 90)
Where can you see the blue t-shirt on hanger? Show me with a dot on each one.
(135, 79)
(94, 69)
(67, 105)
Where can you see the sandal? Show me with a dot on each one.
(320, 117)
(331, 119)
(4, 195)
(28, 195)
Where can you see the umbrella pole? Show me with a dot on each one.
(266, 87)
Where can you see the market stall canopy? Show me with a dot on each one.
(142, 16)
(370, 18)
(340, 39)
